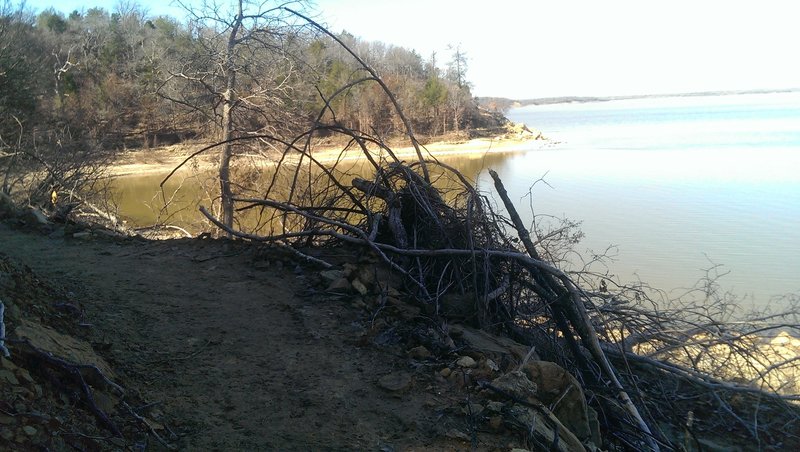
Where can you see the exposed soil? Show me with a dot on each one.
(240, 348)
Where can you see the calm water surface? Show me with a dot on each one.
(677, 183)
(673, 183)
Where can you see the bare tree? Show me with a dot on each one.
(242, 78)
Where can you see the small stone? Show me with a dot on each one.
(495, 406)
(85, 235)
(30, 431)
(419, 352)
(491, 365)
(331, 275)
(359, 286)
(466, 361)
(340, 285)
(397, 382)
(517, 384)
(445, 372)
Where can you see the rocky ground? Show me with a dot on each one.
(218, 345)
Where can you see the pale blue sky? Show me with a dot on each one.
(540, 48)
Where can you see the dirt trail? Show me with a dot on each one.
(233, 352)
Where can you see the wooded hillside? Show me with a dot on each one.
(121, 78)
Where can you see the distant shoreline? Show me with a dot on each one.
(505, 103)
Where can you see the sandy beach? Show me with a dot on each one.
(164, 159)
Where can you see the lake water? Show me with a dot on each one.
(675, 184)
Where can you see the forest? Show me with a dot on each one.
(120, 79)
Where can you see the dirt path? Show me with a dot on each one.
(233, 352)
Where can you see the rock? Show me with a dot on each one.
(8, 376)
(594, 425)
(445, 372)
(366, 274)
(419, 352)
(85, 235)
(331, 276)
(340, 285)
(13, 312)
(396, 382)
(496, 422)
(67, 347)
(545, 425)
(517, 384)
(556, 386)
(348, 269)
(495, 406)
(25, 375)
(494, 346)
(30, 431)
(359, 286)
(466, 361)
(472, 409)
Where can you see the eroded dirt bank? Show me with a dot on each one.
(239, 349)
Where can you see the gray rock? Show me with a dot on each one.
(359, 286)
(419, 352)
(517, 384)
(340, 285)
(396, 382)
(331, 276)
(466, 361)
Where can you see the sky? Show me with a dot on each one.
(544, 48)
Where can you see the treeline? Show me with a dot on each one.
(114, 79)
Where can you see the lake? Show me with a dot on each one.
(674, 184)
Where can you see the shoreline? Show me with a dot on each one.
(165, 159)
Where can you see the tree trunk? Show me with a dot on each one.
(228, 101)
